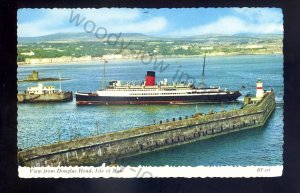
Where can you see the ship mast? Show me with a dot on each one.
(59, 81)
(202, 76)
(103, 74)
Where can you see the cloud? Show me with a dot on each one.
(260, 15)
(224, 25)
(242, 20)
(114, 20)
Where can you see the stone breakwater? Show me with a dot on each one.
(113, 146)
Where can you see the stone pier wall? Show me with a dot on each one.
(105, 148)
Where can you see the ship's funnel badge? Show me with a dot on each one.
(259, 89)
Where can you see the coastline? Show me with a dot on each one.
(130, 58)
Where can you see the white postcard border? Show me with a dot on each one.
(150, 172)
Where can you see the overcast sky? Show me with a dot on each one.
(156, 22)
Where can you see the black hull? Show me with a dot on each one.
(90, 99)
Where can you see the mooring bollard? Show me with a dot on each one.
(180, 118)
(173, 119)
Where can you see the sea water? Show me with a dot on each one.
(45, 123)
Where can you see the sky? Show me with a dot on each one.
(154, 22)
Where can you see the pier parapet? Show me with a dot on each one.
(113, 146)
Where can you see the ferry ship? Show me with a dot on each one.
(41, 93)
(151, 93)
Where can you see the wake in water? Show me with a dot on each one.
(279, 100)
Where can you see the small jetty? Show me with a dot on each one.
(41, 93)
(34, 77)
(109, 147)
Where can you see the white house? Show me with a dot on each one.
(41, 89)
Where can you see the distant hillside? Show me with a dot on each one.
(82, 36)
(234, 37)
(72, 37)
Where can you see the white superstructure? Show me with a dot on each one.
(117, 89)
(40, 89)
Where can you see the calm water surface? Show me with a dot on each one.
(40, 124)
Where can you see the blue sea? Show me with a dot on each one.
(41, 124)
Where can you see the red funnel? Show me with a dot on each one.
(150, 78)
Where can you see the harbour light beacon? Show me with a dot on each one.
(259, 89)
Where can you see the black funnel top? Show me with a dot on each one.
(150, 73)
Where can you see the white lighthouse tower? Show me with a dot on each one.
(259, 89)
